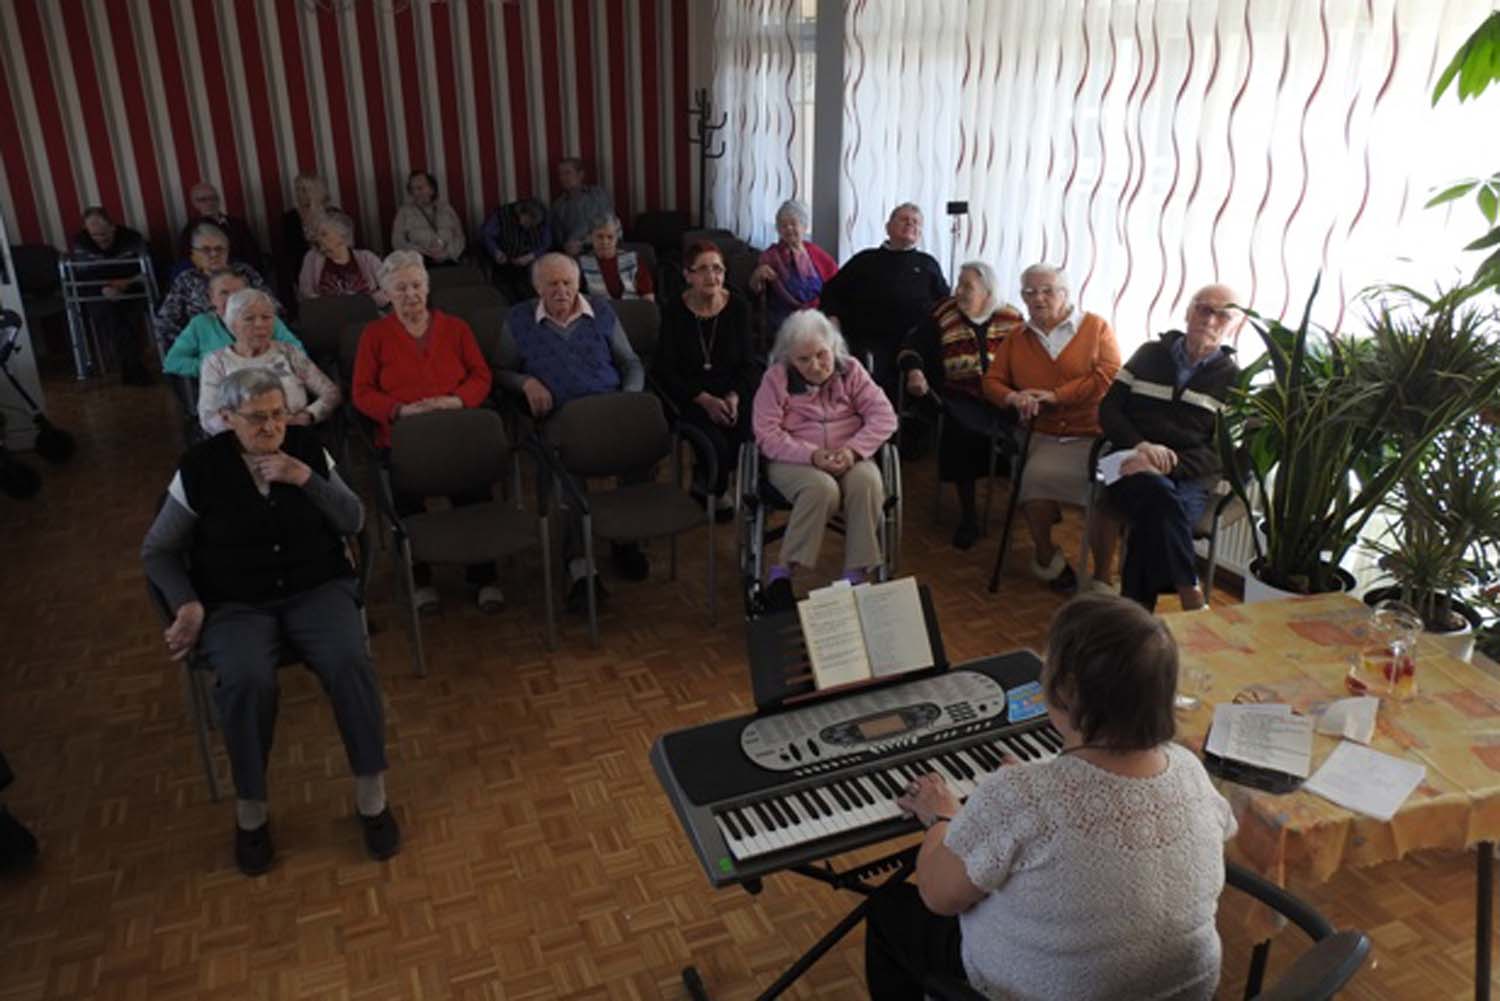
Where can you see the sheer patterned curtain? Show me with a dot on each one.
(1149, 147)
(758, 83)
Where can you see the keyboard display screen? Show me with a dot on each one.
(881, 726)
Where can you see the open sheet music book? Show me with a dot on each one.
(856, 633)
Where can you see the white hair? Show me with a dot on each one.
(986, 276)
(399, 260)
(611, 220)
(340, 222)
(903, 206)
(797, 210)
(242, 300)
(804, 325)
(239, 388)
(1059, 279)
(549, 259)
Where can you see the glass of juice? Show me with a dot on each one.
(1387, 661)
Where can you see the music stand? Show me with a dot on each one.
(781, 675)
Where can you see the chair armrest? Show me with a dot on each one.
(1322, 970)
(1293, 908)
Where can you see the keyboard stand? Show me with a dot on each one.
(780, 677)
(899, 864)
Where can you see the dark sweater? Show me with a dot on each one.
(678, 366)
(1145, 404)
(251, 548)
(880, 294)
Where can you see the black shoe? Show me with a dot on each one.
(630, 561)
(577, 601)
(253, 850)
(779, 596)
(1065, 582)
(17, 844)
(966, 534)
(382, 834)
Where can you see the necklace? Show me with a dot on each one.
(707, 343)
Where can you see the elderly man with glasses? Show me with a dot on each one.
(1053, 373)
(1164, 407)
(207, 206)
(885, 291)
(189, 295)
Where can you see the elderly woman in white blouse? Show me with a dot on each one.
(1092, 875)
(427, 224)
(250, 315)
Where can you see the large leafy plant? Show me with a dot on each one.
(1326, 425)
(1474, 67)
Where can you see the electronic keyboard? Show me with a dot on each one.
(761, 793)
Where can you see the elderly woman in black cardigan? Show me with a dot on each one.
(248, 552)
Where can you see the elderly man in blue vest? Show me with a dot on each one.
(564, 346)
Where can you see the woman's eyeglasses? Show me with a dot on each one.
(260, 418)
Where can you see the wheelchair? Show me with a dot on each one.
(756, 500)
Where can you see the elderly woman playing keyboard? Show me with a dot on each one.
(1092, 875)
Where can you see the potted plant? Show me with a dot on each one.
(1441, 544)
(1325, 425)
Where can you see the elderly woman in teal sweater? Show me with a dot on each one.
(206, 332)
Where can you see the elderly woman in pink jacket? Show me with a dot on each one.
(820, 419)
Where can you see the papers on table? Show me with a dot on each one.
(1266, 735)
(1358, 778)
(1109, 465)
(1353, 719)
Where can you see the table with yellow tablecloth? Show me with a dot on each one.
(1297, 651)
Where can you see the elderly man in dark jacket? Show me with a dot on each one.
(1163, 407)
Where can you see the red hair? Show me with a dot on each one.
(697, 250)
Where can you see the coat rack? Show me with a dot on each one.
(702, 136)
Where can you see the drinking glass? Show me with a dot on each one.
(1193, 684)
(1387, 662)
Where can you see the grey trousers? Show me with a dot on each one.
(320, 626)
(815, 497)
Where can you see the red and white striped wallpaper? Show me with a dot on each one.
(128, 103)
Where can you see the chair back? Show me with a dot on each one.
(349, 336)
(321, 321)
(460, 300)
(663, 230)
(448, 452)
(738, 268)
(642, 322)
(637, 433)
(487, 324)
(454, 276)
(725, 240)
(36, 268)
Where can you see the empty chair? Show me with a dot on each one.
(455, 277)
(456, 453)
(461, 300)
(639, 437)
(642, 323)
(320, 323)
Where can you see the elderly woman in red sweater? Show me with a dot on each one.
(416, 361)
(1053, 373)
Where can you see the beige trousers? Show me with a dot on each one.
(815, 497)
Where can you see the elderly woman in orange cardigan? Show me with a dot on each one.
(1053, 374)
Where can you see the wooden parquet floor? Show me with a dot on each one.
(541, 859)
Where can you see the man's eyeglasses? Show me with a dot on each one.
(260, 418)
(1048, 290)
(1221, 314)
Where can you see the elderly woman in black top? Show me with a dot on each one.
(247, 551)
(1163, 407)
(946, 358)
(703, 362)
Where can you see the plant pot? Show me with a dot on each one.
(1458, 641)
(1258, 590)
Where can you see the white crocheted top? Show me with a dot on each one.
(1100, 886)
